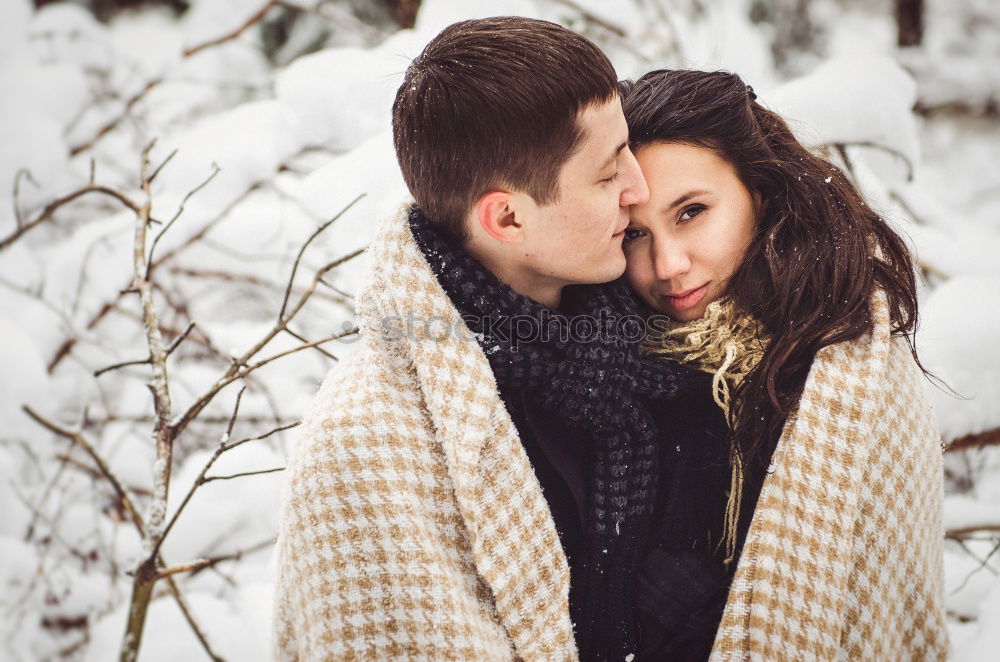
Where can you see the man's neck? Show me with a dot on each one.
(525, 282)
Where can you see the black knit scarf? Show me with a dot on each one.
(587, 369)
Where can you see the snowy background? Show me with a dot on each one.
(271, 118)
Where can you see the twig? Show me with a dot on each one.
(189, 617)
(159, 386)
(341, 18)
(67, 346)
(179, 339)
(885, 148)
(233, 34)
(136, 518)
(299, 348)
(88, 448)
(161, 166)
(963, 533)
(983, 563)
(23, 172)
(198, 481)
(209, 479)
(154, 82)
(319, 349)
(109, 126)
(302, 250)
(280, 428)
(593, 18)
(123, 364)
(201, 564)
(977, 440)
(223, 446)
(234, 372)
(177, 214)
(53, 206)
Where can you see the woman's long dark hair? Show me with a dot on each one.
(818, 252)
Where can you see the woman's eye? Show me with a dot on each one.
(691, 212)
(632, 233)
(608, 180)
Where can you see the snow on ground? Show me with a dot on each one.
(297, 139)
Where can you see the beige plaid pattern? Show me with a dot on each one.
(413, 526)
(843, 560)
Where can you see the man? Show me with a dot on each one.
(490, 438)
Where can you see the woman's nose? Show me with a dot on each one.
(670, 259)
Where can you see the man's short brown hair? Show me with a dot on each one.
(494, 103)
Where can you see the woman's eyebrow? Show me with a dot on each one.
(684, 198)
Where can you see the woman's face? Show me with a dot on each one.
(683, 245)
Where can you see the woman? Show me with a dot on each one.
(801, 301)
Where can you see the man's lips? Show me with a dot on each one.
(687, 298)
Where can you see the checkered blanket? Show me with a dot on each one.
(843, 560)
(413, 526)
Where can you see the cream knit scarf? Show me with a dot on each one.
(726, 343)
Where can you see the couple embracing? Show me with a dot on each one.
(636, 382)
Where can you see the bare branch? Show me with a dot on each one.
(220, 449)
(23, 172)
(302, 250)
(123, 364)
(234, 372)
(983, 563)
(126, 502)
(201, 564)
(209, 479)
(299, 348)
(338, 17)
(53, 206)
(89, 449)
(159, 385)
(189, 617)
(319, 349)
(179, 339)
(593, 18)
(885, 148)
(177, 214)
(109, 126)
(280, 428)
(67, 346)
(233, 34)
(977, 440)
(160, 167)
(964, 533)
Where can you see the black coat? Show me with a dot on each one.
(683, 583)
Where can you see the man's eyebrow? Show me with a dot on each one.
(611, 159)
(684, 198)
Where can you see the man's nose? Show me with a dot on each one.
(635, 192)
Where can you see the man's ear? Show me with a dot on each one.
(496, 215)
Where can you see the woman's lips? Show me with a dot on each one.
(685, 300)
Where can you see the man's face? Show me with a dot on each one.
(578, 238)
